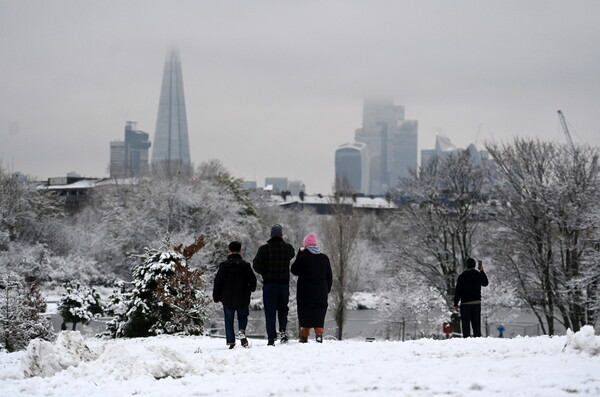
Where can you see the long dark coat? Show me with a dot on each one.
(314, 284)
(234, 283)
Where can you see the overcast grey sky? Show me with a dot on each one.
(273, 87)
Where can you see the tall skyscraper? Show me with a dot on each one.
(352, 163)
(129, 158)
(392, 143)
(171, 144)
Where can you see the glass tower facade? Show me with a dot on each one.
(391, 141)
(352, 164)
(129, 158)
(171, 144)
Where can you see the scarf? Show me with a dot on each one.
(314, 249)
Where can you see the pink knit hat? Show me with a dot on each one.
(310, 240)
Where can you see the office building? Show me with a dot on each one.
(391, 142)
(352, 164)
(171, 143)
(129, 158)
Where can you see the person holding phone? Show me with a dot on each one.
(468, 293)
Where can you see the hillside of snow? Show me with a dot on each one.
(201, 366)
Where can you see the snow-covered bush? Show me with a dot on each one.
(408, 297)
(21, 309)
(76, 267)
(79, 304)
(168, 296)
(365, 301)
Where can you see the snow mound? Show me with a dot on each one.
(121, 363)
(583, 341)
(45, 359)
(115, 360)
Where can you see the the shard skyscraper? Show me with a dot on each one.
(171, 146)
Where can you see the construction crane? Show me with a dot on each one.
(561, 117)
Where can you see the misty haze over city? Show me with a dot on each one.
(272, 88)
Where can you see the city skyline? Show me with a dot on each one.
(273, 89)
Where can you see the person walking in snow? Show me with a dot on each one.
(468, 293)
(234, 283)
(314, 284)
(272, 262)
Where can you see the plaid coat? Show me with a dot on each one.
(272, 261)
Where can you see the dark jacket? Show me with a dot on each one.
(234, 283)
(272, 261)
(314, 283)
(468, 286)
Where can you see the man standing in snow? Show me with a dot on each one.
(234, 283)
(468, 293)
(272, 262)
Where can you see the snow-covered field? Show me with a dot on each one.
(203, 366)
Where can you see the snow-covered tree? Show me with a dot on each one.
(79, 304)
(439, 229)
(574, 212)
(21, 313)
(551, 238)
(121, 217)
(125, 218)
(167, 297)
(340, 231)
(26, 214)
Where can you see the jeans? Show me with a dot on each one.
(275, 301)
(242, 315)
(470, 315)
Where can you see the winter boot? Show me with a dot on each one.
(231, 346)
(303, 339)
(319, 338)
(243, 339)
(283, 337)
(271, 342)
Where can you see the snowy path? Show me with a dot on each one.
(477, 367)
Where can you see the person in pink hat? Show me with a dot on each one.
(314, 284)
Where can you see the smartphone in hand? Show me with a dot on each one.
(479, 265)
